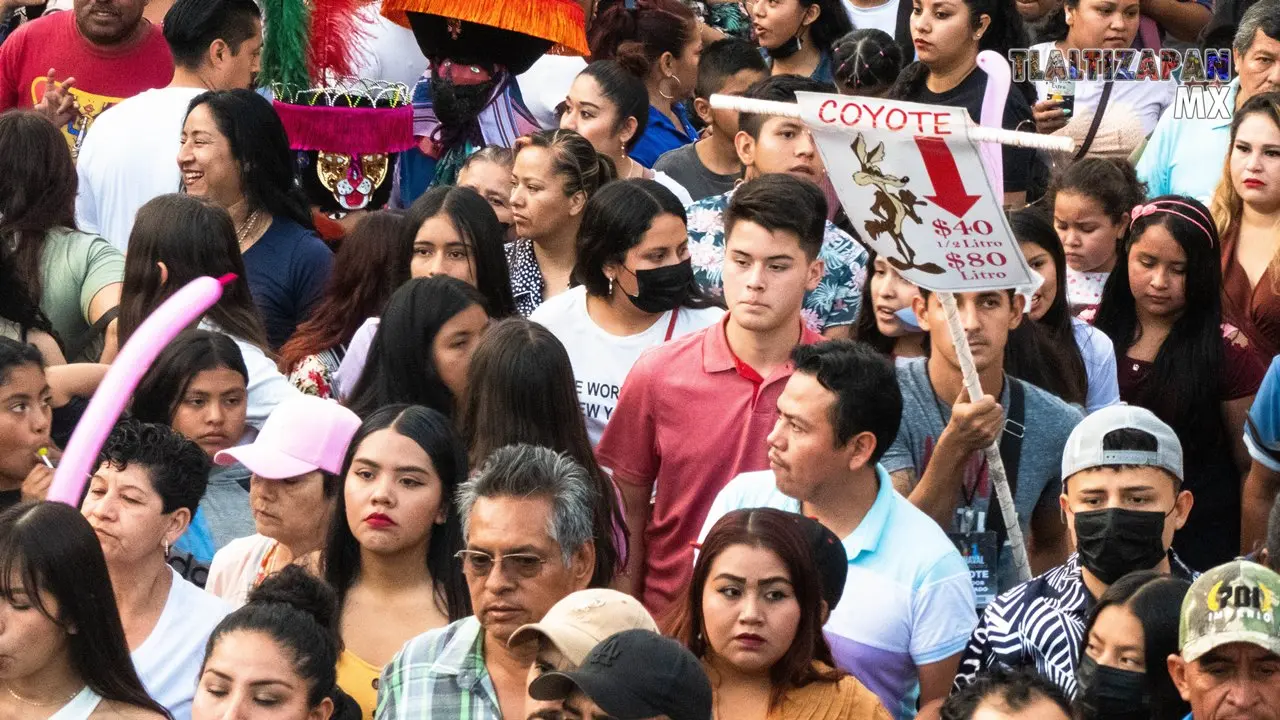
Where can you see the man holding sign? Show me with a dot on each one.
(936, 459)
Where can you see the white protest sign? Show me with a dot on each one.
(912, 181)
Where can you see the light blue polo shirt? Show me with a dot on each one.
(1262, 431)
(907, 602)
(1185, 156)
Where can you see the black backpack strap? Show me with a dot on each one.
(1010, 454)
(86, 338)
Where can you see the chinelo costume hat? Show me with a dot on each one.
(345, 131)
(560, 23)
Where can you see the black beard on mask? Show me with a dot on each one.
(457, 106)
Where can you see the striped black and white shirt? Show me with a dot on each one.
(1038, 624)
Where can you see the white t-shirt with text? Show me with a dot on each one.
(602, 360)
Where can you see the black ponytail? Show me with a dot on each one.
(300, 613)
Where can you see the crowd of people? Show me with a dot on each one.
(381, 478)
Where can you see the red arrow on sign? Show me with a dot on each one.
(948, 188)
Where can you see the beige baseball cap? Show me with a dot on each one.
(583, 619)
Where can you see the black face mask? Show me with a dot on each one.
(662, 289)
(786, 49)
(1107, 693)
(1116, 541)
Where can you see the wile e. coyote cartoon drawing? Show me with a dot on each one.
(894, 203)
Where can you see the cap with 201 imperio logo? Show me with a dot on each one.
(1232, 603)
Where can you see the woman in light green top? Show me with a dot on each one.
(76, 276)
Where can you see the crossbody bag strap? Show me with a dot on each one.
(1010, 454)
(1097, 120)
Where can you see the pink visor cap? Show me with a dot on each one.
(302, 435)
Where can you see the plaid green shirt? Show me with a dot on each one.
(440, 675)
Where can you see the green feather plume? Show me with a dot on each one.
(284, 49)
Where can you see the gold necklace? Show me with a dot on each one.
(243, 233)
(32, 703)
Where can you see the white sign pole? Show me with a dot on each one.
(995, 465)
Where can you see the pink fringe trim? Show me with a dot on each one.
(346, 130)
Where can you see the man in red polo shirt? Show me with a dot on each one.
(695, 412)
(87, 60)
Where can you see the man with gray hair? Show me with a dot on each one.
(527, 517)
(1185, 155)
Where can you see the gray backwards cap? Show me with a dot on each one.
(1084, 448)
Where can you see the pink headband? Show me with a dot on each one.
(1151, 208)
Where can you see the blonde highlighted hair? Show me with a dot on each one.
(1227, 206)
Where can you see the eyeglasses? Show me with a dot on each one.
(516, 565)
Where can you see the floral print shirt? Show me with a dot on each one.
(833, 303)
(313, 374)
(730, 18)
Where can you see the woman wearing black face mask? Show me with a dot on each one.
(797, 35)
(633, 289)
(1130, 632)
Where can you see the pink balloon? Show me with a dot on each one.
(135, 358)
(997, 70)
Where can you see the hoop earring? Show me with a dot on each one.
(668, 77)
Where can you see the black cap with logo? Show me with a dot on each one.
(635, 674)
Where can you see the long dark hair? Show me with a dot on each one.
(260, 145)
(401, 366)
(1155, 599)
(1030, 225)
(372, 262)
(434, 434)
(17, 303)
(1033, 355)
(49, 546)
(475, 221)
(37, 191)
(614, 221)
(194, 351)
(299, 612)
(1003, 32)
(832, 24)
(1184, 385)
(778, 532)
(520, 389)
(192, 237)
